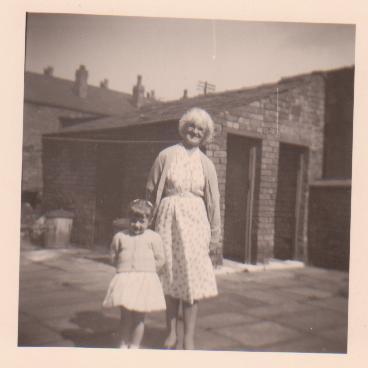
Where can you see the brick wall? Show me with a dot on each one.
(100, 179)
(69, 176)
(110, 172)
(300, 119)
(295, 116)
(329, 224)
(339, 124)
(38, 120)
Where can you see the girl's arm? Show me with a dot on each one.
(115, 249)
(158, 251)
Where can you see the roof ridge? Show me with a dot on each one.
(72, 82)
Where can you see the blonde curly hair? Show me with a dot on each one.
(198, 115)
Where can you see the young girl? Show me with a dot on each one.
(137, 254)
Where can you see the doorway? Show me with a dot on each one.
(290, 201)
(241, 198)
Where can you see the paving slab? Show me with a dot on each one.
(312, 321)
(35, 334)
(211, 340)
(52, 311)
(224, 303)
(224, 319)
(267, 297)
(337, 334)
(269, 311)
(310, 293)
(58, 297)
(60, 324)
(338, 304)
(304, 344)
(244, 300)
(259, 334)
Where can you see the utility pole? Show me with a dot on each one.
(206, 87)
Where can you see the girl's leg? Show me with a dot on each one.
(125, 326)
(190, 318)
(172, 311)
(137, 329)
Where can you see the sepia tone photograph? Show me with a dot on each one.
(186, 184)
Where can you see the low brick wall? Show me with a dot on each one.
(329, 224)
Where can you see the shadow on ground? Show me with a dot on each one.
(105, 259)
(97, 330)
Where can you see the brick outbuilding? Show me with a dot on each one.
(52, 104)
(268, 148)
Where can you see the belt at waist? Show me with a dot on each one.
(182, 194)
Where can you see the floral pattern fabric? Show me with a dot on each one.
(183, 225)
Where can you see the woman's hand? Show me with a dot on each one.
(212, 248)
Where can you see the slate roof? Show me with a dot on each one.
(173, 110)
(57, 92)
(213, 103)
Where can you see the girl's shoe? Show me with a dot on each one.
(170, 343)
(123, 346)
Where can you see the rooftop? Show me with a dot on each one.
(57, 92)
(213, 103)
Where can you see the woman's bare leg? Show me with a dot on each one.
(137, 329)
(172, 311)
(190, 318)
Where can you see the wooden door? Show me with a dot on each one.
(241, 198)
(289, 201)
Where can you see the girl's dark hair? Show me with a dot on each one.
(140, 207)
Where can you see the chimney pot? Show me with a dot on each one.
(104, 83)
(185, 94)
(138, 93)
(81, 86)
(49, 71)
(153, 97)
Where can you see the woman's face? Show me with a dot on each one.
(193, 133)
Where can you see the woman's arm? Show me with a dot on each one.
(214, 196)
(158, 251)
(154, 178)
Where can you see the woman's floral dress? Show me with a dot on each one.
(183, 225)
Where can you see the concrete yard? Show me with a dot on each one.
(290, 310)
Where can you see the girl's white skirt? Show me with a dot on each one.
(136, 291)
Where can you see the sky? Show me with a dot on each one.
(175, 54)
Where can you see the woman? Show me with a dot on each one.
(183, 185)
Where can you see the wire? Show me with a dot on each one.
(214, 51)
(277, 111)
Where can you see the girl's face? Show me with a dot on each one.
(193, 133)
(138, 224)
